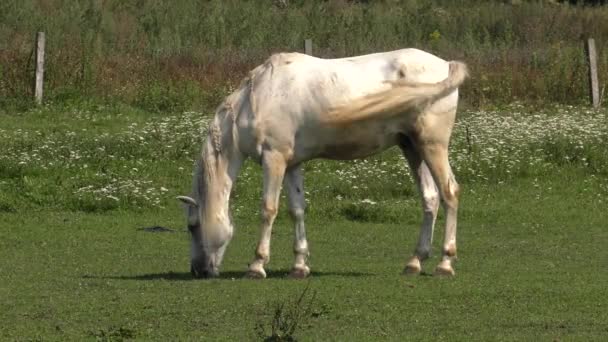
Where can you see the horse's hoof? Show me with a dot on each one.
(299, 273)
(255, 275)
(412, 267)
(411, 270)
(443, 270)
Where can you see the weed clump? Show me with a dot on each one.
(288, 316)
(114, 334)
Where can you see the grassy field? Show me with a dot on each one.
(86, 177)
(78, 185)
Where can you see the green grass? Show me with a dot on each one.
(75, 264)
(531, 265)
(107, 155)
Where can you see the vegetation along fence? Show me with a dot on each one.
(163, 56)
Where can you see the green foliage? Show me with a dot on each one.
(166, 97)
(93, 156)
(370, 211)
(529, 51)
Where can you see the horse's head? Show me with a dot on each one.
(209, 236)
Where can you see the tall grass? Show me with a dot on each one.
(171, 56)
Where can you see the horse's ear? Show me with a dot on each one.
(188, 201)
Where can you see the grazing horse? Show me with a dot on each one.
(296, 107)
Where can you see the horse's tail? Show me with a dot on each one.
(402, 96)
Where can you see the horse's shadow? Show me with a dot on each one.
(227, 275)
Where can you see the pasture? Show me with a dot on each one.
(78, 184)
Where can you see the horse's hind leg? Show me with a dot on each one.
(295, 190)
(274, 165)
(430, 204)
(435, 156)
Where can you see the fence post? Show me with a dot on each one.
(39, 85)
(308, 46)
(593, 80)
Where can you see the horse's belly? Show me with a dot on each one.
(352, 150)
(357, 141)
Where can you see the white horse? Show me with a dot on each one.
(294, 108)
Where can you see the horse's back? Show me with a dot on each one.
(299, 83)
(290, 92)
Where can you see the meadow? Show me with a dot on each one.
(94, 245)
(80, 185)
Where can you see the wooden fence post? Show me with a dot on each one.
(593, 80)
(39, 85)
(308, 46)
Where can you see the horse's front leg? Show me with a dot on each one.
(297, 205)
(274, 165)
